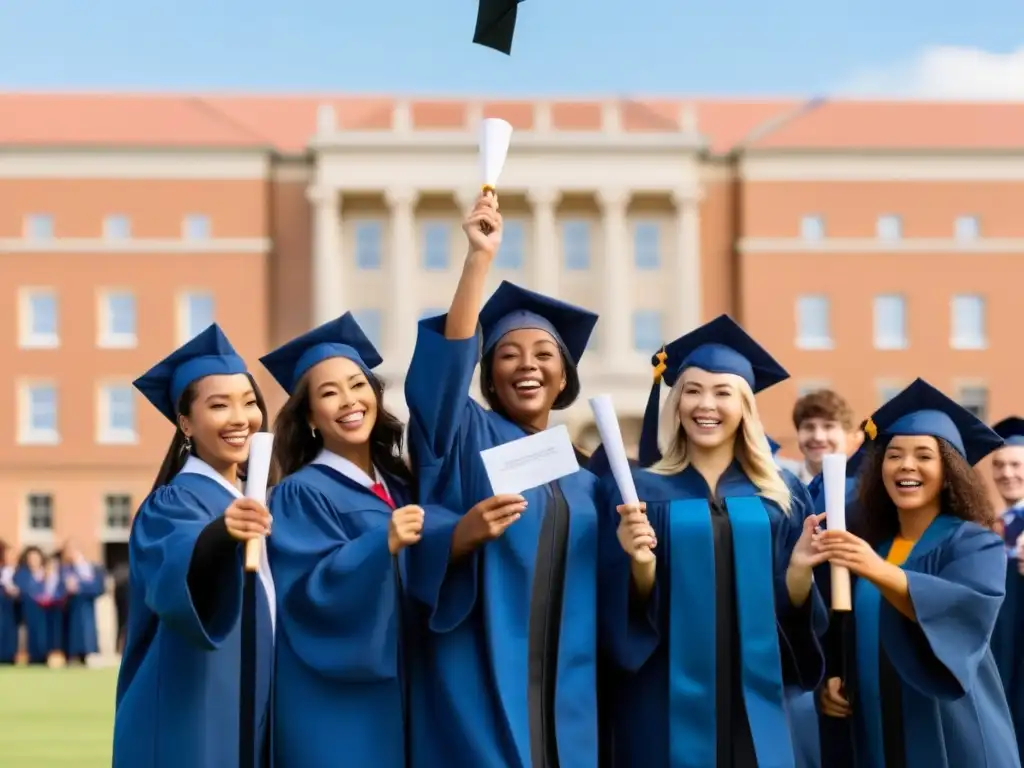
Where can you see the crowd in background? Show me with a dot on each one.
(48, 605)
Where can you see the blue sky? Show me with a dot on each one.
(564, 47)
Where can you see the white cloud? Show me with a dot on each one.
(944, 73)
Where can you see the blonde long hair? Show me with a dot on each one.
(751, 447)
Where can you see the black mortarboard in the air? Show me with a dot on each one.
(496, 24)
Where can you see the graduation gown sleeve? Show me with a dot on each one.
(801, 628)
(336, 578)
(628, 626)
(190, 568)
(956, 609)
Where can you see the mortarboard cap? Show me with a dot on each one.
(921, 409)
(496, 24)
(512, 308)
(208, 354)
(720, 346)
(1011, 429)
(341, 337)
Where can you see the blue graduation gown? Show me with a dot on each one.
(509, 660)
(178, 687)
(80, 612)
(703, 664)
(339, 692)
(928, 694)
(42, 614)
(8, 625)
(1008, 637)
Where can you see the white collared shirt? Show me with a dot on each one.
(196, 466)
(343, 466)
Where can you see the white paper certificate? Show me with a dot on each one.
(531, 461)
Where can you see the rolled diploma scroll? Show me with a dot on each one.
(833, 470)
(615, 450)
(257, 474)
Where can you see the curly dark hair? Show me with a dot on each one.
(295, 445)
(963, 494)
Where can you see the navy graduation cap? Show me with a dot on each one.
(1011, 429)
(921, 409)
(341, 337)
(496, 24)
(512, 308)
(720, 346)
(208, 354)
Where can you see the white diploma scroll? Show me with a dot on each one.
(611, 438)
(833, 471)
(261, 445)
(495, 137)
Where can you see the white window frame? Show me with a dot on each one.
(959, 340)
(184, 313)
(106, 432)
(110, 223)
(974, 386)
(39, 537)
(807, 386)
(812, 221)
(585, 228)
(967, 220)
(428, 226)
(886, 220)
(885, 341)
(116, 534)
(364, 224)
(107, 337)
(27, 337)
(659, 317)
(29, 226)
(512, 253)
(28, 434)
(814, 342)
(645, 260)
(887, 389)
(196, 218)
(375, 335)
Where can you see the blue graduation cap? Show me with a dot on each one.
(496, 24)
(773, 445)
(208, 354)
(512, 308)
(1011, 429)
(921, 409)
(341, 337)
(720, 346)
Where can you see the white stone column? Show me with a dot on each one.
(687, 293)
(616, 311)
(327, 267)
(404, 267)
(545, 260)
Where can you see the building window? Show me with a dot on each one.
(39, 226)
(812, 228)
(887, 391)
(647, 245)
(967, 228)
(974, 398)
(805, 388)
(370, 322)
(968, 322)
(196, 226)
(196, 312)
(37, 412)
(890, 322)
(647, 337)
(117, 227)
(432, 312)
(813, 326)
(118, 512)
(39, 513)
(116, 417)
(576, 244)
(117, 320)
(437, 245)
(369, 244)
(890, 227)
(513, 245)
(38, 319)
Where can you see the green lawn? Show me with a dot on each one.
(56, 718)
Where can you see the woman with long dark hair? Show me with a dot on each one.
(342, 520)
(510, 587)
(924, 691)
(178, 692)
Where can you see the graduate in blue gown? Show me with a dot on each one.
(8, 607)
(37, 580)
(343, 520)
(510, 591)
(1008, 637)
(923, 690)
(178, 690)
(709, 626)
(83, 583)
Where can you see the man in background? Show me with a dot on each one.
(824, 424)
